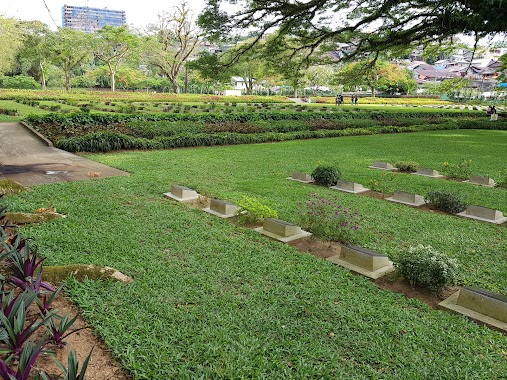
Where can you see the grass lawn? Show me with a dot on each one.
(22, 109)
(213, 300)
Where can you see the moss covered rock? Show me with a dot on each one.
(10, 187)
(19, 218)
(57, 274)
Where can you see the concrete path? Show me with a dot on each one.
(26, 159)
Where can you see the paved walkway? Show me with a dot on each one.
(26, 159)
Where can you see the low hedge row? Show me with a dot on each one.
(106, 141)
(84, 118)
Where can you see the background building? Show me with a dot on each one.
(90, 20)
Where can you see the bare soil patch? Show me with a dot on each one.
(102, 364)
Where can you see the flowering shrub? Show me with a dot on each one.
(383, 183)
(460, 170)
(502, 181)
(425, 266)
(328, 219)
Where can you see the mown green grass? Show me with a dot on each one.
(212, 300)
(22, 109)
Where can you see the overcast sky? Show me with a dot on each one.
(139, 12)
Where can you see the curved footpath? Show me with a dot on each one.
(27, 159)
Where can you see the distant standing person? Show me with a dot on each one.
(355, 100)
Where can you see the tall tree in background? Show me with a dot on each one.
(376, 75)
(113, 46)
(172, 42)
(36, 51)
(11, 40)
(70, 49)
(366, 26)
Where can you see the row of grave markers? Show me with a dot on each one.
(414, 200)
(478, 304)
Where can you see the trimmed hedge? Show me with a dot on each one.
(106, 141)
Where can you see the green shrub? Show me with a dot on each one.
(445, 201)
(20, 81)
(460, 170)
(407, 166)
(326, 175)
(424, 266)
(253, 211)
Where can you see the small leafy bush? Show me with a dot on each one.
(328, 219)
(383, 183)
(425, 266)
(407, 166)
(253, 211)
(326, 175)
(460, 170)
(445, 201)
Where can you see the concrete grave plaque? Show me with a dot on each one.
(182, 194)
(222, 209)
(479, 304)
(425, 172)
(363, 261)
(382, 166)
(483, 181)
(405, 198)
(349, 187)
(301, 177)
(281, 230)
(484, 214)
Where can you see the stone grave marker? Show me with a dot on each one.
(349, 187)
(425, 172)
(281, 230)
(364, 261)
(222, 209)
(301, 177)
(405, 198)
(182, 194)
(382, 166)
(482, 181)
(479, 304)
(484, 214)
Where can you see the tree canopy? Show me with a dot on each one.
(366, 26)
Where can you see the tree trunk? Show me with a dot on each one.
(113, 81)
(67, 80)
(372, 91)
(176, 87)
(43, 76)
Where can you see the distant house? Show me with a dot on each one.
(239, 83)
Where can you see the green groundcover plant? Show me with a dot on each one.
(254, 211)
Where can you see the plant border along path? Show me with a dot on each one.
(218, 301)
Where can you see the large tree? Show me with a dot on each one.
(376, 75)
(113, 46)
(70, 49)
(35, 52)
(11, 40)
(366, 26)
(171, 42)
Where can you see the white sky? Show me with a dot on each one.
(139, 12)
